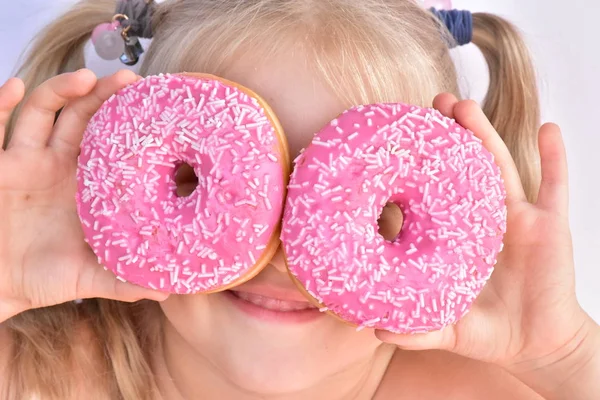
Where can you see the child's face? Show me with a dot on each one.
(255, 354)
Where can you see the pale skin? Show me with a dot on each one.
(525, 338)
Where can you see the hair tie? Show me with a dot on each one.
(120, 38)
(140, 16)
(459, 23)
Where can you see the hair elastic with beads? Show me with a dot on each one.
(119, 39)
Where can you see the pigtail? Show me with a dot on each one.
(512, 102)
(94, 350)
(127, 332)
(42, 349)
(58, 48)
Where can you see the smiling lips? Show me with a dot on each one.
(273, 304)
(270, 303)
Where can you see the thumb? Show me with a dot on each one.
(96, 281)
(436, 340)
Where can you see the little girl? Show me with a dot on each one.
(526, 336)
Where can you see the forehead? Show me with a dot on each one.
(301, 101)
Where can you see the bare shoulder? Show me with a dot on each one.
(439, 374)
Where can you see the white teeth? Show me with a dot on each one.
(272, 304)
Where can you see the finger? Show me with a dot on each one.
(11, 93)
(469, 115)
(445, 103)
(471, 336)
(437, 340)
(96, 282)
(34, 126)
(75, 117)
(554, 188)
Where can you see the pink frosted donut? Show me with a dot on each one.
(227, 229)
(452, 198)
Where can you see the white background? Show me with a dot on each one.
(563, 37)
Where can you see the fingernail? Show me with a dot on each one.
(85, 71)
(164, 298)
(158, 296)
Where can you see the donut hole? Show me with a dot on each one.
(186, 180)
(390, 222)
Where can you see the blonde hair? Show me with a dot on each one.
(366, 51)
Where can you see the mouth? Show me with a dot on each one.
(272, 309)
(270, 303)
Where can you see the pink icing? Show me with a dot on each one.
(131, 216)
(452, 197)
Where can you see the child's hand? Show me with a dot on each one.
(43, 257)
(527, 317)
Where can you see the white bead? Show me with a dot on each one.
(108, 42)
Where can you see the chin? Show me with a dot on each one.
(265, 340)
(277, 374)
(273, 354)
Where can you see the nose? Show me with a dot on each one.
(278, 260)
